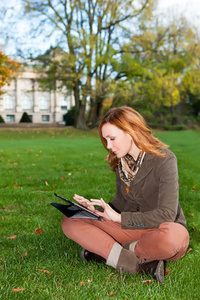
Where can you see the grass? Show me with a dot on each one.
(36, 163)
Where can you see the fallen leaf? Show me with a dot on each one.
(189, 250)
(89, 281)
(18, 289)
(38, 231)
(46, 183)
(21, 258)
(25, 254)
(166, 271)
(12, 237)
(193, 228)
(148, 281)
(44, 271)
(83, 282)
(63, 178)
(110, 294)
(85, 171)
(191, 214)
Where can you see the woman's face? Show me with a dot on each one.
(118, 141)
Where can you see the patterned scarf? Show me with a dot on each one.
(128, 167)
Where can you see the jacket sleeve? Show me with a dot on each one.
(167, 202)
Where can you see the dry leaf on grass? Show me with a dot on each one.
(44, 271)
(12, 237)
(18, 289)
(38, 231)
(148, 281)
(110, 294)
(83, 282)
(189, 250)
(191, 214)
(166, 271)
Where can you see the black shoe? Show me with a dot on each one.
(87, 256)
(159, 273)
(155, 268)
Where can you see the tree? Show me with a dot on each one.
(91, 33)
(190, 90)
(8, 68)
(154, 64)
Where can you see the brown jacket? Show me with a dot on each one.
(153, 197)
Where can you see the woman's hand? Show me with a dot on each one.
(109, 213)
(84, 202)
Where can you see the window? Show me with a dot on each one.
(26, 102)
(10, 118)
(63, 102)
(45, 118)
(8, 102)
(43, 103)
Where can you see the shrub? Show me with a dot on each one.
(69, 117)
(25, 118)
(1, 119)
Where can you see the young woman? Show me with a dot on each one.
(144, 224)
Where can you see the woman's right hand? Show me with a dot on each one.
(84, 202)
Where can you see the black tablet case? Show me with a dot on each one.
(74, 210)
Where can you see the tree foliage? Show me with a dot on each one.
(91, 35)
(159, 64)
(8, 68)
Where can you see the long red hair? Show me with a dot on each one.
(131, 122)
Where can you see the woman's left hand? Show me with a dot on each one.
(109, 213)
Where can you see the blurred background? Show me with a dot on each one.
(68, 62)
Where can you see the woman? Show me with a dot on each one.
(144, 224)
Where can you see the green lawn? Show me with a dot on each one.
(36, 163)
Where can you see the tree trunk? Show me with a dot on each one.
(80, 122)
(95, 114)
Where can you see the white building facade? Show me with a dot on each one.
(24, 94)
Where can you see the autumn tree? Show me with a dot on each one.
(91, 34)
(154, 63)
(8, 68)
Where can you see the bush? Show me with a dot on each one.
(25, 118)
(69, 117)
(1, 119)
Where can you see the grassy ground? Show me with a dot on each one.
(37, 258)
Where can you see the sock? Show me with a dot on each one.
(114, 254)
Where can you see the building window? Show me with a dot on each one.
(10, 118)
(8, 102)
(31, 117)
(63, 102)
(43, 103)
(26, 102)
(45, 118)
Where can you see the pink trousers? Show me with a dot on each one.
(168, 242)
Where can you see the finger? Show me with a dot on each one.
(97, 201)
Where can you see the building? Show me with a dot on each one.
(25, 94)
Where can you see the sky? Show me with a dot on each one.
(190, 8)
(173, 8)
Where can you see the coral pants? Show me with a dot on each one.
(168, 242)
